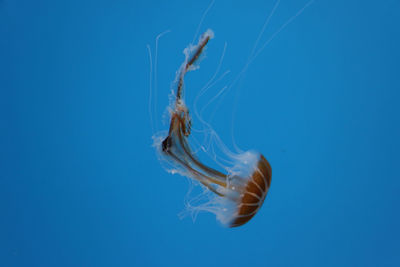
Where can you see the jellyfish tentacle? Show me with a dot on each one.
(181, 127)
(198, 163)
(204, 179)
(191, 61)
(212, 189)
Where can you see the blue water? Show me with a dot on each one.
(80, 184)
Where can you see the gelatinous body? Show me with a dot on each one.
(239, 193)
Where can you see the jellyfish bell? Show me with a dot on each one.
(244, 192)
(238, 194)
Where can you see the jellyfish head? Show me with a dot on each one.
(243, 194)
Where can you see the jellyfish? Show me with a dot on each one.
(238, 194)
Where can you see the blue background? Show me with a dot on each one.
(80, 184)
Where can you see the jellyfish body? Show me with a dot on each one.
(240, 193)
